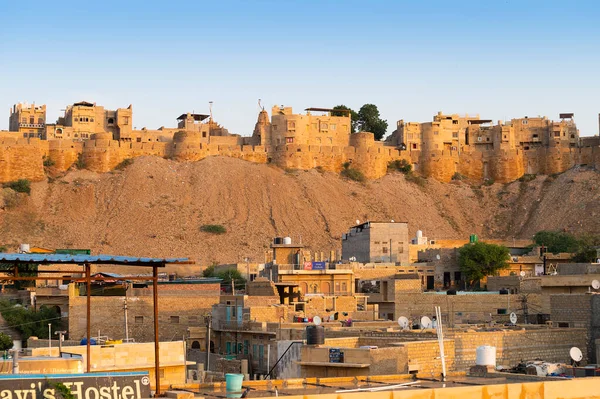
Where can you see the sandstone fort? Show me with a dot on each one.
(449, 146)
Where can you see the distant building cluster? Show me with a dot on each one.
(449, 147)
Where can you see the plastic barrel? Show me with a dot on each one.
(315, 335)
(233, 382)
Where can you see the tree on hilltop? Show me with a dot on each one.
(367, 119)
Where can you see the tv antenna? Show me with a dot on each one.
(260, 105)
(210, 104)
(403, 322)
(576, 355)
(426, 322)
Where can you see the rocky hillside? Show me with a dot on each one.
(156, 207)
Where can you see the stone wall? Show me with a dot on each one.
(176, 314)
(458, 309)
(23, 158)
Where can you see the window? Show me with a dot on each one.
(324, 126)
(174, 319)
(377, 243)
(111, 121)
(572, 136)
(455, 135)
(91, 119)
(556, 134)
(384, 250)
(414, 146)
(289, 140)
(454, 122)
(126, 120)
(32, 120)
(24, 120)
(139, 319)
(291, 125)
(203, 134)
(139, 139)
(525, 121)
(274, 127)
(333, 126)
(400, 247)
(41, 121)
(87, 120)
(25, 135)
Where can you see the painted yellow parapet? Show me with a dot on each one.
(582, 388)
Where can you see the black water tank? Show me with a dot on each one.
(451, 292)
(315, 335)
(278, 241)
(503, 291)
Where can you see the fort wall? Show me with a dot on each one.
(24, 158)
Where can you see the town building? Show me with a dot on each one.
(377, 242)
(29, 120)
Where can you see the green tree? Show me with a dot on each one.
(232, 274)
(29, 322)
(369, 120)
(479, 260)
(557, 241)
(6, 342)
(342, 110)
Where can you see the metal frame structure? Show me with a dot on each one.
(86, 261)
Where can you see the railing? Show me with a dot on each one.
(32, 125)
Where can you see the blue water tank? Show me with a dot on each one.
(84, 341)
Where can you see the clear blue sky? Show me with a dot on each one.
(501, 59)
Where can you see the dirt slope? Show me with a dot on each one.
(155, 207)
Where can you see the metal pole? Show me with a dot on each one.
(126, 325)
(156, 338)
(88, 291)
(49, 339)
(208, 325)
(440, 334)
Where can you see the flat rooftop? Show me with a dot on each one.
(384, 384)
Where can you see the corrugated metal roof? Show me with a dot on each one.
(92, 259)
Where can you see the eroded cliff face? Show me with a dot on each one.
(155, 207)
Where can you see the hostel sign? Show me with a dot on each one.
(135, 385)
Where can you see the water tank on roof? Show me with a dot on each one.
(485, 356)
(287, 240)
(277, 240)
(24, 248)
(419, 234)
(315, 335)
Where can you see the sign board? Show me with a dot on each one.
(307, 265)
(134, 385)
(336, 356)
(318, 265)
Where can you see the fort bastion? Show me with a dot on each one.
(448, 147)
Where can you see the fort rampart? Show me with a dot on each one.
(25, 158)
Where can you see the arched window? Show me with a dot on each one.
(111, 121)
(195, 345)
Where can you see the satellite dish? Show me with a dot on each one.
(438, 257)
(392, 220)
(576, 354)
(426, 322)
(357, 221)
(523, 273)
(513, 318)
(317, 320)
(403, 322)
(595, 284)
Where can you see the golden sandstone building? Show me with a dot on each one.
(451, 146)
